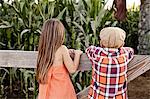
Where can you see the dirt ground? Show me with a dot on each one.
(139, 88)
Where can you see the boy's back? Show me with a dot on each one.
(109, 76)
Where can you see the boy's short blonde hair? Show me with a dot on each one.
(112, 37)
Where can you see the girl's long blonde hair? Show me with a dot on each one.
(51, 39)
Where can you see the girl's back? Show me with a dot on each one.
(58, 84)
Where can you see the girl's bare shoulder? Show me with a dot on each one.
(63, 48)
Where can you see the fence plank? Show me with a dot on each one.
(19, 59)
(27, 59)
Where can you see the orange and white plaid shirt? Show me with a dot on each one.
(109, 72)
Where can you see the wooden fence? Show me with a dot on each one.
(27, 59)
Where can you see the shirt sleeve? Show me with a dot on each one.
(90, 52)
(130, 54)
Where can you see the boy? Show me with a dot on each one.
(109, 65)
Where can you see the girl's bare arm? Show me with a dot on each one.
(70, 64)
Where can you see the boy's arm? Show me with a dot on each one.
(130, 53)
(89, 52)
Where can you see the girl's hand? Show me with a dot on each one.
(72, 54)
(71, 51)
(78, 52)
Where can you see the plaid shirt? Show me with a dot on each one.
(109, 72)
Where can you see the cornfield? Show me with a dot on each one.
(20, 26)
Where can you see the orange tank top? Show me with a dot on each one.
(58, 86)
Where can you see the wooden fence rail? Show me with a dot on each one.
(27, 59)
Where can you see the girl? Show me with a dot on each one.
(54, 63)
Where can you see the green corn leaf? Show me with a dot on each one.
(5, 26)
(80, 27)
(79, 86)
(23, 32)
(61, 13)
